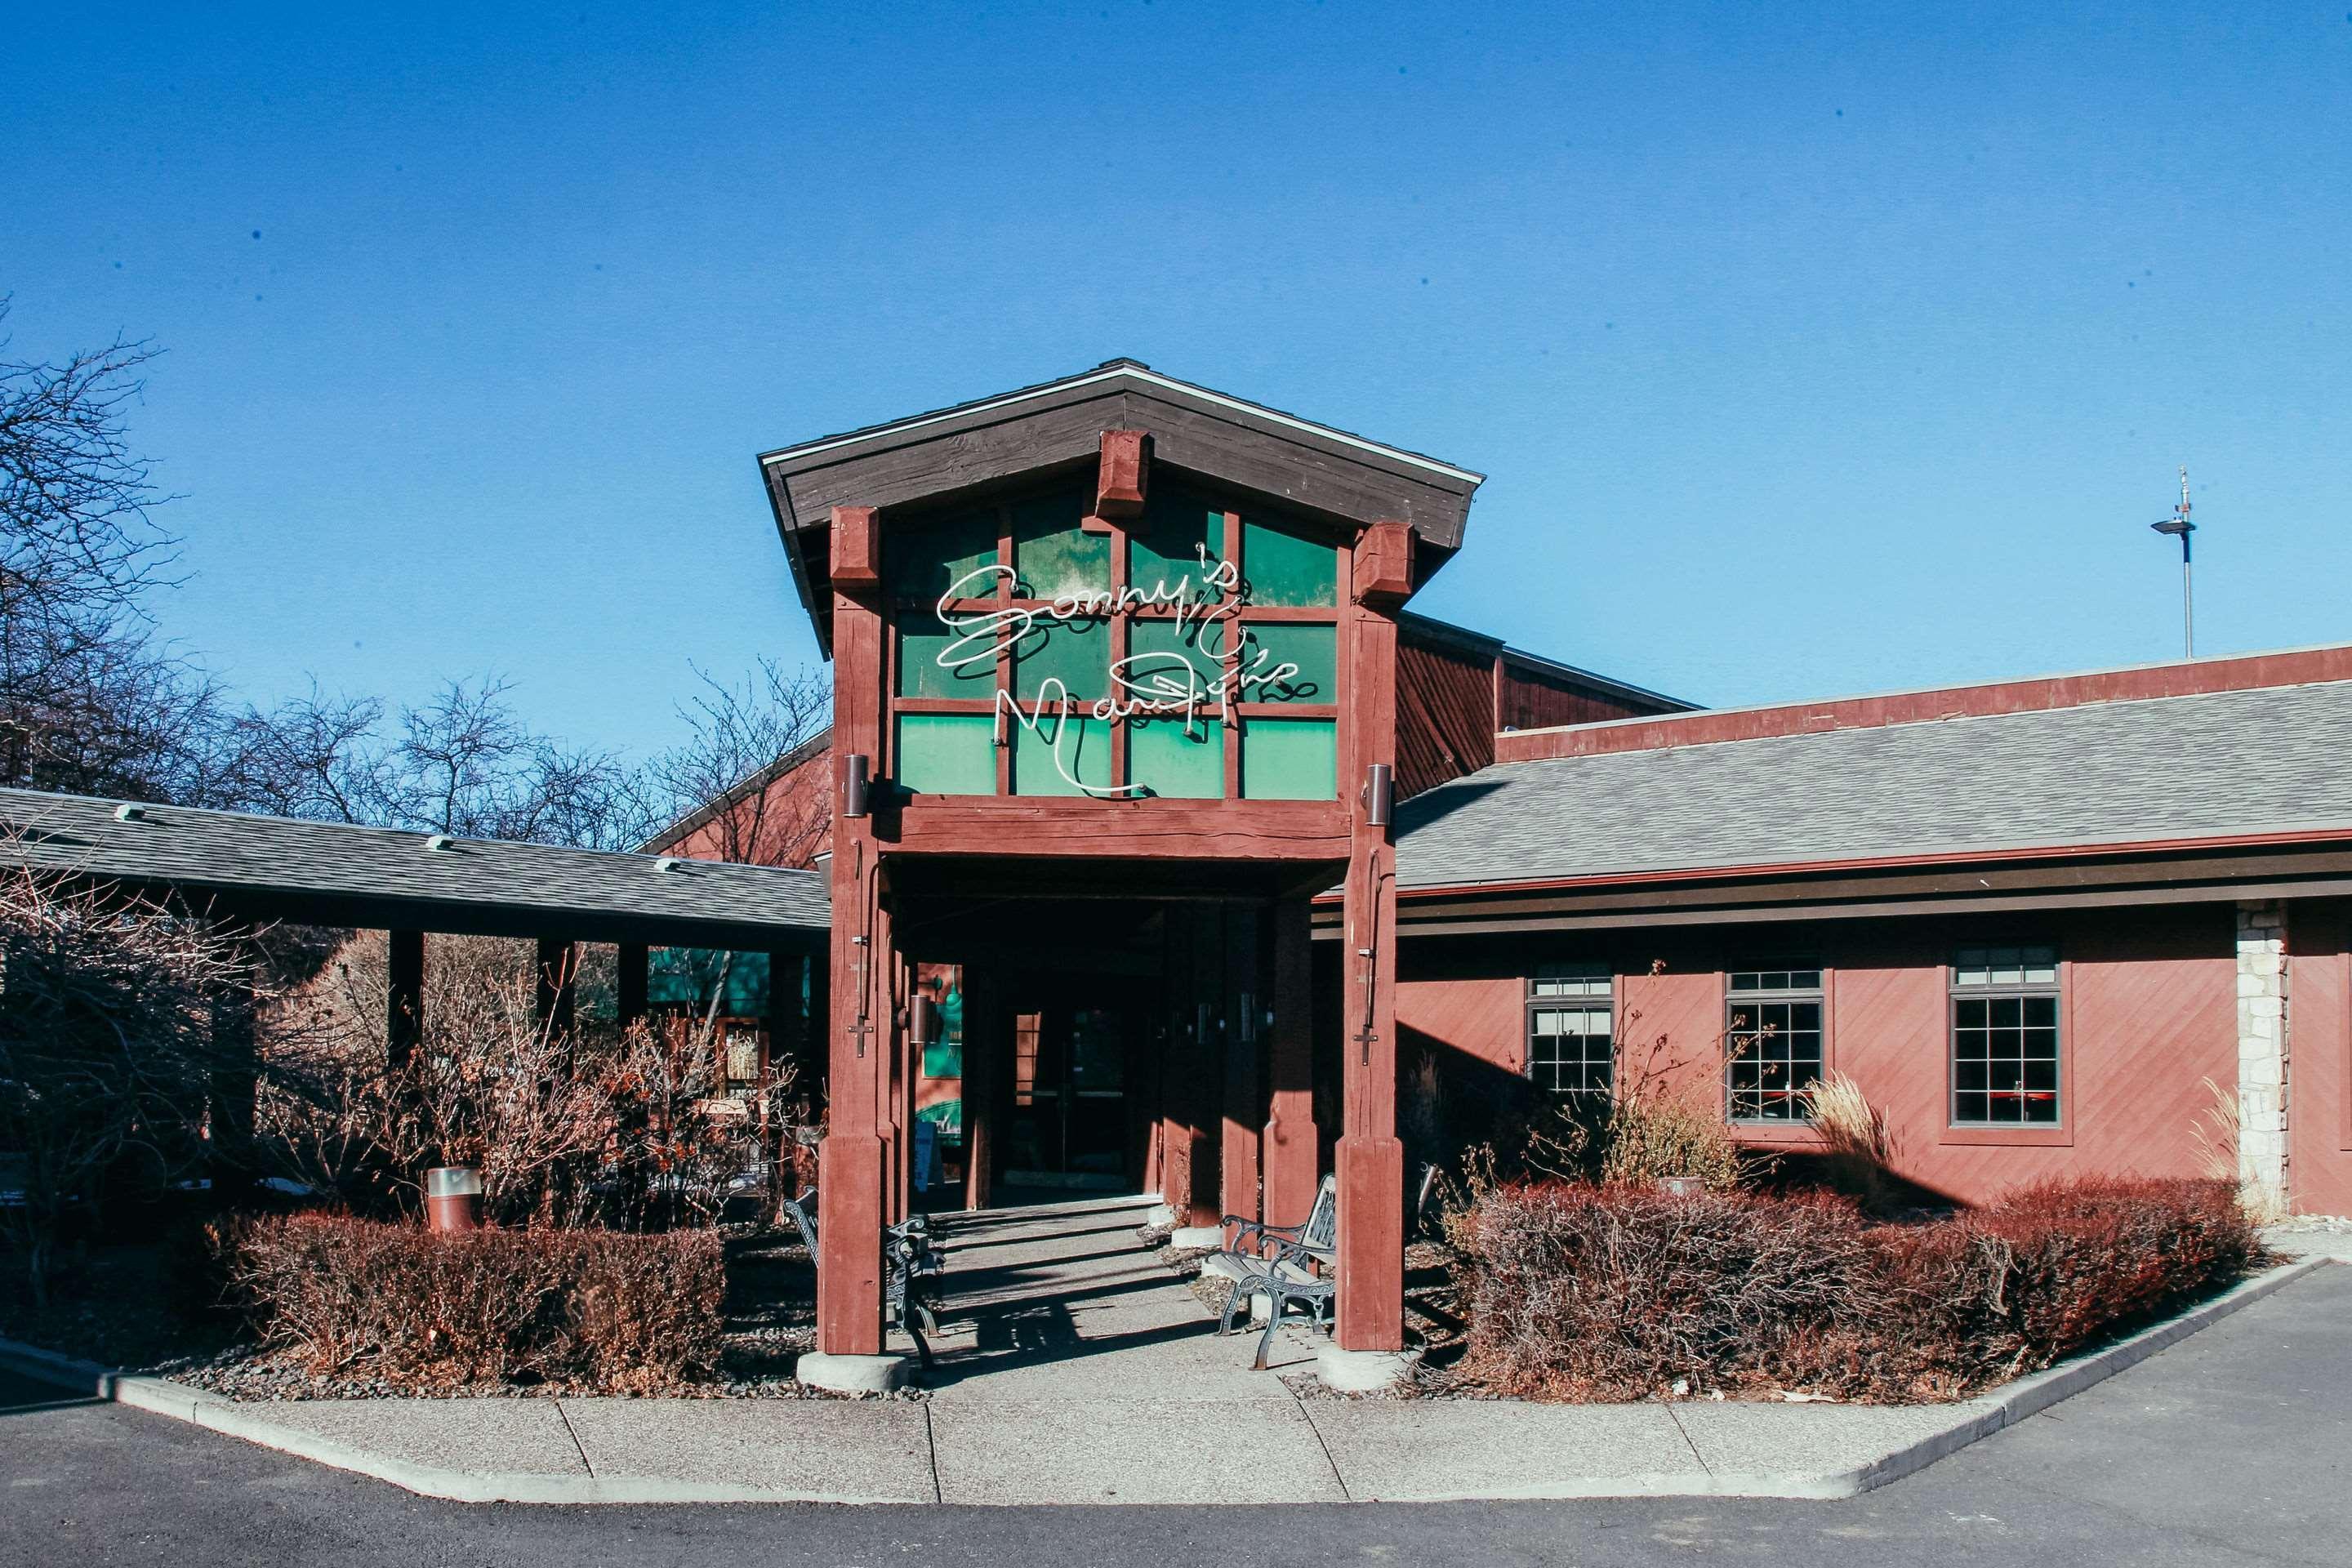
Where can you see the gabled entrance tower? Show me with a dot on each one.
(1120, 638)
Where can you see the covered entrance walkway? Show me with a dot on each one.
(1061, 1301)
(1062, 1327)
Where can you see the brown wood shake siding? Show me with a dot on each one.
(1529, 697)
(1455, 689)
(1445, 707)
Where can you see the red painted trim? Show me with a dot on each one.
(1894, 862)
(2250, 672)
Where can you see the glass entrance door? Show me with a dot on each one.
(1068, 1126)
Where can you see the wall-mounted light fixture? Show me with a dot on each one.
(856, 785)
(922, 1022)
(1378, 794)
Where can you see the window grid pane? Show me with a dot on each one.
(1570, 980)
(1773, 1044)
(1776, 980)
(2005, 1067)
(1571, 1050)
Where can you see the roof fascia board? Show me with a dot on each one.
(1961, 904)
(1291, 464)
(797, 457)
(2315, 834)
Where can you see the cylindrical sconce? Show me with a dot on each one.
(856, 785)
(453, 1198)
(1380, 793)
(922, 1022)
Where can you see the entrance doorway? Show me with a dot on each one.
(1069, 1124)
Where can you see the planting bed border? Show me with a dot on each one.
(1972, 1419)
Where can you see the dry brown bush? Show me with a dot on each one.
(595, 1308)
(1583, 1292)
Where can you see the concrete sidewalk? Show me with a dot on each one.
(1075, 1369)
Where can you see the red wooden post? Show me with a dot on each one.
(1188, 1096)
(1369, 1158)
(404, 1012)
(851, 1160)
(984, 1056)
(1204, 990)
(1291, 1150)
(1241, 1007)
(898, 1096)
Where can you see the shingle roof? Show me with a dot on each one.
(2225, 762)
(240, 857)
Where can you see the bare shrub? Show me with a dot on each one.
(489, 1085)
(1581, 1292)
(627, 1126)
(119, 1023)
(604, 1310)
(1655, 1135)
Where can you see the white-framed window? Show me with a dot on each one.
(1773, 1042)
(2005, 1044)
(1572, 1029)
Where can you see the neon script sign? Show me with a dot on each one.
(1156, 683)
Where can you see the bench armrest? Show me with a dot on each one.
(1280, 1235)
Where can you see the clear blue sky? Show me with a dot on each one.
(1809, 352)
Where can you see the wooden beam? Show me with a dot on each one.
(1125, 471)
(1383, 565)
(851, 1170)
(856, 550)
(1293, 1154)
(1369, 1158)
(1241, 1004)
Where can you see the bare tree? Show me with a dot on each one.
(88, 700)
(464, 763)
(111, 1036)
(722, 786)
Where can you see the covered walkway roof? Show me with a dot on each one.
(240, 866)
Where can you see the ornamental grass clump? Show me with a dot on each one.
(1587, 1292)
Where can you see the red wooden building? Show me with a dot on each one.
(1170, 851)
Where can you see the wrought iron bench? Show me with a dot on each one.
(1292, 1266)
(912, 1293)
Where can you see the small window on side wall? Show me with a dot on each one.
(1771, 1042)
(2005, 1040)
(1571, 1033)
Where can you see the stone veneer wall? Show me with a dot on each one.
(2262, 1050)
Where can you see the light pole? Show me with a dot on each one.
(2179, 523)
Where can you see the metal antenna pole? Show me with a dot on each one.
(2188, 589)
(2179, 523)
